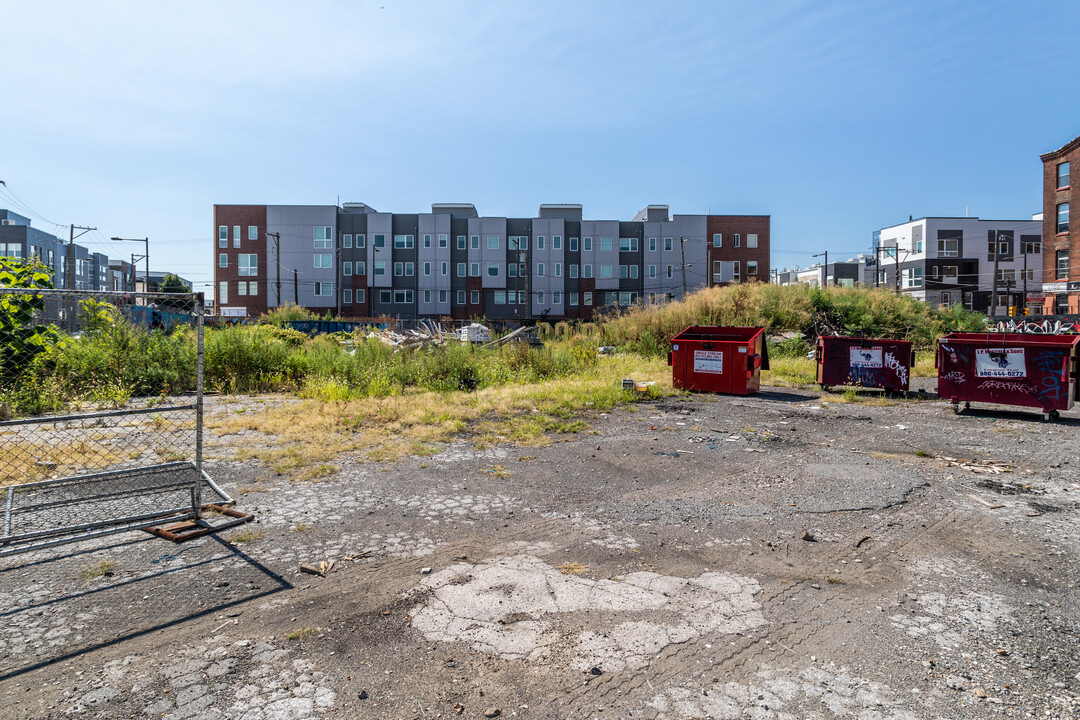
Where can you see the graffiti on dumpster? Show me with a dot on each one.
(955, 376)
(709, 361)
(1000, 363)
(895, 365)
(1008, 386)
(1048, 366)
(863, 376)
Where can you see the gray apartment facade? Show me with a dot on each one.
(454, 263)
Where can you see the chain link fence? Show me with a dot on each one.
(100, 414)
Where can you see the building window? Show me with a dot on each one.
(1061, 304)
(379, 242)
(493, 269)
(380, 267)
(324, 237)
(556, 297)
(667, 244)
(223, 260)
(946, 299)
(474, 297)
(385, 296)
(539, 242)
(1063, 175)
(346, 297)
(605, 271)
(1006, 275)
(253, 288)
(628, 244)
(540, 297)
(556, 242)
(539, 269)
(718, 240)
(751, 267)
(403, 242)
(427, 296)
(346, 269)
(403, 297)
(624, 272)
(736, 269)
(444, 267)
(573, 299)
(751, 241)
(917, 244)
(947, 247)
(361, 241)
(652, 244)
(460, 242)
(399, 269)
(460, 297)
(511, 297)
(474, 242)
(241, 289)
(443, 295)
(474, 269)
(500, 297)
(361, 268)
(223, 293)
(346, 240)
(324, 289)
(519, 242)
(1063, 218)
(605, 244)
(443, 240)
(324, 260)
(511, 270)
(736, 240)
(523, 269)
(427, 268)
(670, 271)
(461, 269)
(948, 272)
(573, 244)
(248, 264)
(427, 241)
(409, 267)
(913, 277)
(558, 269)
(586, 270)
(360, 296)
(586, 244)
(1062, 265)
(573, 271)
(588, 298)
(253, 232)
(1031, 247)
(223, 236)
(652, 271)
(999, 247)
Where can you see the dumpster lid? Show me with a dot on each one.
(1013, 339)
(719, 333)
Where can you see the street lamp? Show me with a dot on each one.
(824, 275)
(146, 257)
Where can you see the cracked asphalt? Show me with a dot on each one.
(782, 555)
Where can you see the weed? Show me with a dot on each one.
(833, 580)
(922, 453)
(301, 528)
(851, 394)
(245, 536)
(301, 633)
(318, 471)
(499, 471)
(104, 568)
(527, 458)
(572, 568)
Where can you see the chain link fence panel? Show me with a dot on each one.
(100, 414)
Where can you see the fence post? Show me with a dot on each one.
(197, 493)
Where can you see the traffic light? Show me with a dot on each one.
(1027, 310)
(1012, 311)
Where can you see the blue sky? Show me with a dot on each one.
(835, 118)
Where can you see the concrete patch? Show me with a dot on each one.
(520, 607)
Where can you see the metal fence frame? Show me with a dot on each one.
(85, 489)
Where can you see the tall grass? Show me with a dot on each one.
(792, 308)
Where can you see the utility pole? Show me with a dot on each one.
(993, 293)
(145, 256)
(682, 254)
(71, 253)
(896, 266)
(277, 261)
(877, 265)
(1024, 247)
(296, 286)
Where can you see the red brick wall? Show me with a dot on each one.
(744, 225)
(244, 215)
(1052, 242)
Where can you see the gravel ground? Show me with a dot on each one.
(782, 555)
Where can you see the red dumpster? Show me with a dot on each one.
(864, 362)
(1009, 369)
(718, 359)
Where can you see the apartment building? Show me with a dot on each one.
(453, 263)
(985, 265)
(1062, 277)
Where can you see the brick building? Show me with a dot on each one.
(453, 263)
(1061, 277)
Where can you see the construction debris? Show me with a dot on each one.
(978, 466)
(432, 334)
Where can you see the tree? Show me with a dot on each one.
(21, 340)
(171, 283)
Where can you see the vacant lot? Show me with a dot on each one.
(778, 556)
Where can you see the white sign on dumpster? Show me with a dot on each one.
(709, 361)
(1000, 363)
(861, 357)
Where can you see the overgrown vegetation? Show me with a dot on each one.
(800, 309)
